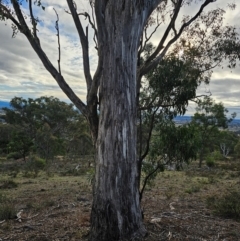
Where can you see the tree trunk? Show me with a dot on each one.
(201, 156)
(116, 212)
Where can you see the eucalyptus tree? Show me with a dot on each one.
(210, 116)
(226, 142)
(171, 146)
(167, 90)
(78, 139)
(237, 149)
(5, 137)
(120, 30)
(30, 114)
(41, 124)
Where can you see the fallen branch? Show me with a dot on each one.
(33, 216)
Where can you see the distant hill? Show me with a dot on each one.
(4, 104)
(177, 119)
(186, 119)
(182, 118)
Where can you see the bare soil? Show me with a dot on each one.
(58, 207)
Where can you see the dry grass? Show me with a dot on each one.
(58, 207)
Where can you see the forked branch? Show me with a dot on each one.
(46, 62)
(84, 42)
(155, 58)
(34, 22)
(166, 33)
(5, 12)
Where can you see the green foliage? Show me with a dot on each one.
(226, 141)
(211, 114)
(20, 143)
(7, 208)
(210, 162)
(48, 145)
(14, 155)
(209, 117)
(5, 137)
(46, 126)
(227, 205)
(237, 149)
(169, 87)
(79, 142)
(178, 144)
(170, 144)
(217, 155)
(193, 189)
(90, 176)
(150, 169)
(33, 166)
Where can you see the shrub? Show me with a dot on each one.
(193, 189)
(210, 162)
(14, 155)
(227, 205)
(217, 155)
(90, 176)
(7, 208)
(33, 166)
(7, 184)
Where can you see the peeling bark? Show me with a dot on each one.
(116, 212)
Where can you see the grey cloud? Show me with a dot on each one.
(38, 86)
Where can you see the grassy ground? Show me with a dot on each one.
(56, 206)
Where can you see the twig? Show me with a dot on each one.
(33, 216)
(34, 22)
(59, 47)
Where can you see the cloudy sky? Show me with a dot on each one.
(22, 73)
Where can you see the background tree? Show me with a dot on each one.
(78, 139)
(167, 90)
(44, 125)
(210, 116)
(170, 145)
(20, 143)
(5, 137)
(226, 141)
(237, 149)
(115, 88)
(47, 144)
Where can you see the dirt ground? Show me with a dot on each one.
(54, 208)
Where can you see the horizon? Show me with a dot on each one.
(7, 104)
(22, 73)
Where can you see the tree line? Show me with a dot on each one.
(44, 126)
(49, 127)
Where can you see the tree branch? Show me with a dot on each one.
(149, 135)
(84, 43)
(46, 62)
(146, 179)
(166, 33)
(34, 22)
(7, 14)
(85, 14)
(59, 47)
(152, 63)
(142, 48)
